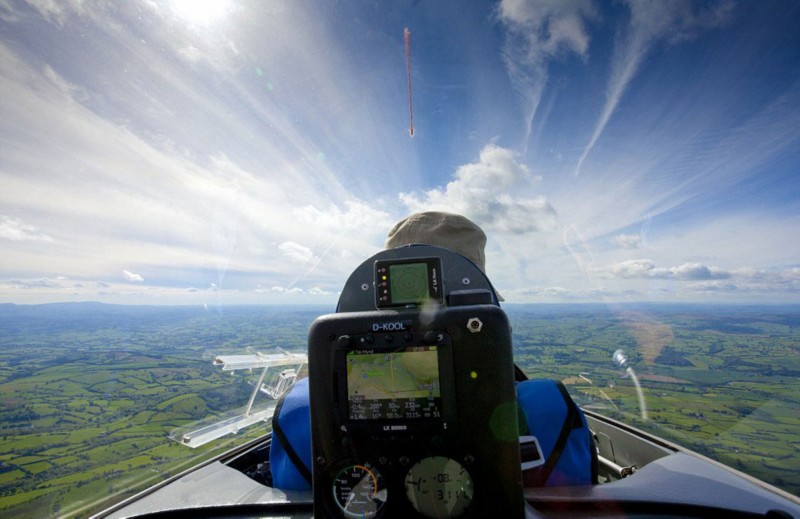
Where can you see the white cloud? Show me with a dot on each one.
(317, 291)
(645, 268)
(773, 280)
(703, 278)
(296, 252)
(167, 169)
(482, 192)
(537, 33)
(717, 286)
(284, 290)
(628, 241)
(132, 277)
(44, 290)
(31, 284)
(54, 10)
(101, 182)
(692, 271)
(522, 294)
(16, 230)
(550, 26)
(651, 21)
(675, 20)
(790, 275)
(638, 268)
(356, 216)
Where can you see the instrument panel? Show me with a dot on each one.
(413, 405)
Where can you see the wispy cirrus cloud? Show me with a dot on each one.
(651, 22)
(93, 179)
(628, 241)
(249, 155)
(16, 230)
(538, 32)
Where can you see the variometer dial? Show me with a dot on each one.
(359, 491)
(439, 487)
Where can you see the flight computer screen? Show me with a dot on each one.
(394, 385)
(409, 282)
(412, 285)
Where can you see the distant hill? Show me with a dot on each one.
(93, 316)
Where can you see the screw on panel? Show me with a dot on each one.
(364, 287)
(466, 281)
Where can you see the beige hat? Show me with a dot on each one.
(451, 231)
(447, 230)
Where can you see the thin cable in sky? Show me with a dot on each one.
(407, 39)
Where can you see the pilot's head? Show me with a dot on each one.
(447, 230)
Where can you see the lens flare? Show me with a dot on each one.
(200, 12)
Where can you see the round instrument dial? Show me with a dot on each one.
(439, 487)
(359, 491)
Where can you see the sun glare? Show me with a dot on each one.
(200, 12)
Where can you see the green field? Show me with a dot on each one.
(89, 394)
(720, 381)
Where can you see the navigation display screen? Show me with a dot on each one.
(411, 283)
(408, 282)
(394, 385)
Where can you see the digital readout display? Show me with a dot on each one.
(395, 385)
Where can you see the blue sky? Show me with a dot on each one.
(160, 152)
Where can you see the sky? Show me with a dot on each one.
(231, 152)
